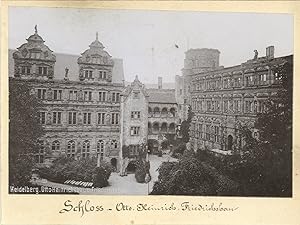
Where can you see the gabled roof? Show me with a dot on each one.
(70, 61)
(161, 96)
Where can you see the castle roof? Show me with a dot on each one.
(161, 96)
(70, 61)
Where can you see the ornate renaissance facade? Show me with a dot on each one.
(86, 109)
(81, 116)
(223, 99)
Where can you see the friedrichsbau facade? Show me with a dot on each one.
(86, 109)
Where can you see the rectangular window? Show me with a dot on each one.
(72, 118)
(207, 131)
(43, 70)
(42, 117)
(101, 118)
(57, 95)
(115, 97)
(41, 93)
(135, 115)
(115, 118)
(72, 95)
(226, 106)
(87, 118)
(56, 117)
(25, 70)
(134, 131)
(102, 96)
(88, 96)
(216, 134)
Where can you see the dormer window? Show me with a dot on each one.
(102, 74)
(136, 94)
(25, 70)
(88, 74)
(43, 70)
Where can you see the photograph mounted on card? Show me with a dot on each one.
(160, 103)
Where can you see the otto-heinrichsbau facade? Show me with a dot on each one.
(223, 99)
(86, 108)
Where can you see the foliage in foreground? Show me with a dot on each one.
(189, 176)
(24, 130)
(85, 169)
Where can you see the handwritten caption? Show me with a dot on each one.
(83, 207)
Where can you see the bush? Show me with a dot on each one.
(178, 150)
(100, 177)
(20, 170)
(142, 168)
(190, 176)
(185, 177)
(65, 168)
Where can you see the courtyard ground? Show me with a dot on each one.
(118, 185)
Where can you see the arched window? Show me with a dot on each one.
(173, 111)
(156, 110)
(149, 128)
(85, 152)
(155, 128)
(55, 146)
(172, 128)
(164, 111)
(71, 149)
(114, 144)
(164, 127)
(40, 154)
(100, 149)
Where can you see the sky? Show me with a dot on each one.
(146, 39)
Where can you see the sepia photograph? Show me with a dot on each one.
(150, 102)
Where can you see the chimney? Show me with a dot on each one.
(159, 82)
(270, 52)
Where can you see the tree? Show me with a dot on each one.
(270, 156)
(24, 131)
(185, 126)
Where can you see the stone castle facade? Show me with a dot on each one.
(90, 112)
(223, 99)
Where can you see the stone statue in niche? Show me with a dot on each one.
(80, 118)
(24, 52)
(48, 118)
(50, 74)
(107, 119)
(66, 73)
(81, 77)
(255, 54)
(46, 54)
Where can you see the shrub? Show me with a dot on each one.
(20, 170)
(185, 177)
(178, 150)
(190, 176)
(65, 168)
(142, 168)
(100, 177)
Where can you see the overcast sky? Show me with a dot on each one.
(145, 40)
